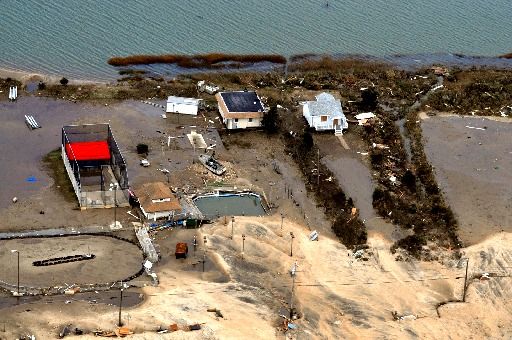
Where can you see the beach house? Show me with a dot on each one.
(240, 109)
(325, 113)
(157, 201)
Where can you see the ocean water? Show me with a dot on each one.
(74, 38)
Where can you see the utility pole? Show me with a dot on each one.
(465, 281)
(114, 186)
(318, 169)
(232, 228)
(195, 244)
(18, 289)
(293, 272)
(291, 243)
(120, 305)
(243, 245)
(204, 251)
(282, 218)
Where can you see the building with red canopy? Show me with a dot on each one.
(95, 165)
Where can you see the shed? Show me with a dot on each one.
(187, 106)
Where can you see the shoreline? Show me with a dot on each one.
(407, 62)
(28, 77)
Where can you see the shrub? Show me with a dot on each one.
(142, 149)
(64, 81)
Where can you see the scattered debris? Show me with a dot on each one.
(144, 162)
(194, 327)
(216, 311)
(31, 122)
(123, 331)
(476, 128)
(380, 146)
(14, 199)
(313, 236)
(398, 317)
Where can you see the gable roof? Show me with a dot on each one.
(242, 101)
(325, 104)
(148, 192)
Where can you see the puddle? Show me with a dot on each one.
(230, 204)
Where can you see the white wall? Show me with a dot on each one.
(182, 108)
(242, 123)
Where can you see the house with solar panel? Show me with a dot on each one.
(95, 166)
(240, 109)
(325, 113)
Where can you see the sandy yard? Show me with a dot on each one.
(337, 296)
(472, 157)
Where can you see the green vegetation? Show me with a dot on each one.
(57, 171)
(271, 121)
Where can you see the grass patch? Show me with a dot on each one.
(55, 166)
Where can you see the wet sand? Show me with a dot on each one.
(472, 157)
(115, 260)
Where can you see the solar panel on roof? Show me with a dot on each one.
(246, 101)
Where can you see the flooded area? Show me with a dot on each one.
(472, 158)
(230, 204)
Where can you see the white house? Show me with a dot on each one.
(187, 106)
(240, 109)
(325, 113)
(157, 201)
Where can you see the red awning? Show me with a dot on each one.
(88, 151)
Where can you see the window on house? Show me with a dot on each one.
(250, 120)
(323, 118)
(236, 120)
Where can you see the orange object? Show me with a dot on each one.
(181, 250)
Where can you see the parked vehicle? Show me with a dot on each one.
(181, 250)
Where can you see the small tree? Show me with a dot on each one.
(369, 99)
(64, 81)
(41, 86)
(271, 121)
(307, 141)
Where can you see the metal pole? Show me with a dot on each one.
(18, 272)
(291, 298)
(120, 306)
(115, 206)
(318, 169)
(204, 259)
(291, 243)
(465, 280)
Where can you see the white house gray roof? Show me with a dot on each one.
(183, 100)
(325, 104)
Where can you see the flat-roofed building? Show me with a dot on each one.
(187, 106)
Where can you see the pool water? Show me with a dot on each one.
(212, 206)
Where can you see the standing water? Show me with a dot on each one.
(230, 204)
